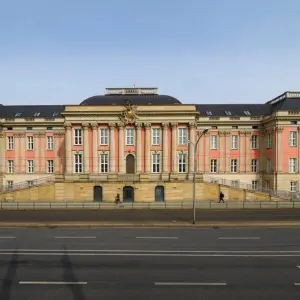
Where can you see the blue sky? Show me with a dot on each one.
(214, 51)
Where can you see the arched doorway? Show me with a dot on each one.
(159, 193)
(128, 194)
(130, 164)
(98, 193)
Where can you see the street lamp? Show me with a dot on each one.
(194, 175)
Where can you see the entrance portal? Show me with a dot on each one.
(98, 193)
(130, 164)
(159, 194)
(128, 194)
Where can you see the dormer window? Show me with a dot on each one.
(247, 112)
(37, 114)
(208, 113)
(55, 114)
(228, 113)
(18, 114)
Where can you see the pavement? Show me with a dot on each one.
(160, 218)
(149, 263)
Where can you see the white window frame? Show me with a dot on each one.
(269, 142)
(156, 163)
(50, 166)
(10, 166)
(182, 136)
(254, 141)
(30, 166)
(78, 163)
(292, 165)
(156, 136)
(254, 165)
(293, 138)
(103, 136)
(104, 167)
(213, 165)
(254, 185)
(77, 136)
(213, 141)
(182, 167)
(10, 184)
(234, 141)
(50, 142)
(129, 136)
(10, 143)
(233, 165)
(269, 165)
(293, 186)
(235, 183)
(30, 142)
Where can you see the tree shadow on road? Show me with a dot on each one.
(69, 276)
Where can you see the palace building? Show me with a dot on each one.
(133, 139)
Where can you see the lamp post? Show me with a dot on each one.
(194, 175)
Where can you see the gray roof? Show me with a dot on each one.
(31, 111)
(135, 99)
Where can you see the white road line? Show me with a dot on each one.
(297, 283)
(158, 237)
(238, 238)
(190, 283)
(52, 282)
(7, 237)
(298, 267)
(74, 237)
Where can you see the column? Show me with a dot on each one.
(201, 153)
(147, 148)
(36, 149)
(22, 152)
(112, 148)
(165, 148)
(242, 135)
(222, 157)
(2, 154)
(206, 154)
(174, 146)
(279, 149)
(191, 146)
(228, 148)
(298, 146)
(121, 148)
(56, 136)
(68, 148)
(138, 147)
(248, 151)
(262, 151)
(95, 148)
(86, 163)
(43, 150)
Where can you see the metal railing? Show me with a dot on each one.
(149, 205)
(258, 188)
(28, 183)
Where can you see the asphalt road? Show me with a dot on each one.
(135, 216)
(143, 263)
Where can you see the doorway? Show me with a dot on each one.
(130, 164)
(98, 193)
(128, 194)
(159, 194)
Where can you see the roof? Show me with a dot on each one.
(287, 104)
(135, 99)
(31, 111)
(221, 110)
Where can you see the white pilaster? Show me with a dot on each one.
(242, 136)
(86, 163)
(138, 147)
(112, 148)
(95, 148)
(165, 147)
(279, 149)
(248, 151)
(121, 148)
(68, 148)
(192, 127)
(174, 146)
(147, 148)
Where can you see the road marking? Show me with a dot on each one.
(297, 283)
(239, 238)
(7, 237)
(190, 284)
(52, 282)
(158, 237)
(74, 237)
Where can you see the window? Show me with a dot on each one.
(293, 186)
(235, 183)
(37, 114)
(269, 145)
(254, 141)
(213, 166)
(267, 184)
(182, 136)
(214, 127)
(10, 143)
(29, 166)
(247, 112)
(254, 185)
(30, 182)
(29, 128)
(255, 127)
(292, 165)
(233, 166)
(129, 136)
(155, 136)
(103, 136)
(30, 143)
(49, 142)
(228, 113)
(10, 184)
(77, 136)
(55, 114)
(104, 163)
(269, 165)
(234, 141)
(208, 113)
(213, 142)
(182, 163)
(254, 165)
(49, 128)
(50, 166)
(10, 166)
(234, 127)
(155, 163)
(78, 163)
(18, 114)
(293, 139)
(293, 122)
